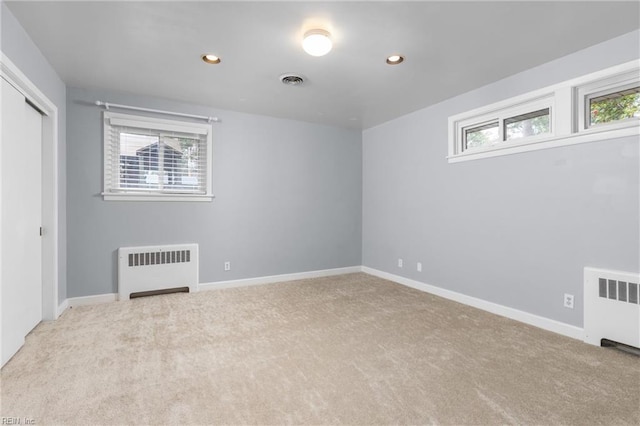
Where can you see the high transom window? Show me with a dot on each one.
(598, 106)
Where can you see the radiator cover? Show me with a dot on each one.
(611, 306)
(155, 268)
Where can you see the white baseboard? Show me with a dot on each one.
(92, 300)
(62, 307)
(515, 314)
(113, 297)
(278, 278)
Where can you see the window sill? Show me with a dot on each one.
(157, 197)
(591, 135)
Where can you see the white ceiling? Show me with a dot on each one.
(154, 48)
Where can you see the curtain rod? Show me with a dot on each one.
(108, 105)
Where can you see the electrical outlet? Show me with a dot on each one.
(227, 266)
(419, 267)
(568, 301)
(400, 263)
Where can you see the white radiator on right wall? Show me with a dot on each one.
(611, 306)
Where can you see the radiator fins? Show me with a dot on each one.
(159, 257)
(618, 290)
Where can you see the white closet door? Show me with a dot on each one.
(21, 169)
(32, 210)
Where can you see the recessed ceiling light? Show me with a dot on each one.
(395, 59)
(317, 42)
(210, 59)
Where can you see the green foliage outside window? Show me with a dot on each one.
(482, 136)
(614, 108)
(528, 127)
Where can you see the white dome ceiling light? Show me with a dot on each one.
(317, 42)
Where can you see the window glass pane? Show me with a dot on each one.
(530, 124)
(615, 106)
(478, 136)
(137, 161)
(182, 164)
(162, 163)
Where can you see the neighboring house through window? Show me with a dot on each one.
(156, 159)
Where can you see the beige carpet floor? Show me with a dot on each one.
(352, 349)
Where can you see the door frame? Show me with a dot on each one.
(10, 72)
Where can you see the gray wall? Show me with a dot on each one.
(288, 198)
(515, 230)
(18, 47)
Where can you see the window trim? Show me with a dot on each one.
(566, 101)
(161, 124)
(586, 92)
(488, 124)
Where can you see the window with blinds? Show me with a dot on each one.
(156, 159)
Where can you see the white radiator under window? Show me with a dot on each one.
(157, 268)
(611, 307)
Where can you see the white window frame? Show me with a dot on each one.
(120, 119)
(500, 114)
(604, 86)
(568, 109)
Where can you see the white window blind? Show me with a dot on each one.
(156, 159)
